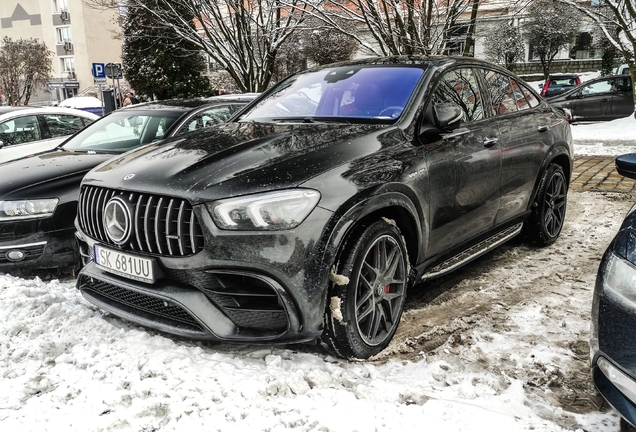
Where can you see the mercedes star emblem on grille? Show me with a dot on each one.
(117, 220)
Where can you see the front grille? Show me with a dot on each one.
(163, 226)
(128, 300)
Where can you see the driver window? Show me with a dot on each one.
(597, 88)
(460, 87)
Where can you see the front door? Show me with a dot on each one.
(463, 167)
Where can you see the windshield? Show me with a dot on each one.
(123, 130)
(352, 92)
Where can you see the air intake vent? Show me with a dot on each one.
(160, 225)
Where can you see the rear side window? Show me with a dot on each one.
(207, 118)
(530, 97)
(623, 84)
(62, 125)
(460, 87)
(502, 94)
(20, 130)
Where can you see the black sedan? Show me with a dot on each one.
(308, 216)
(605, 98)
(38, 194)
(614, 315)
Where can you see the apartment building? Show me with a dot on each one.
(77, 34)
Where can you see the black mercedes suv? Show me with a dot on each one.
(309, 215)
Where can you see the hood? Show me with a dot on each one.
(39, 176)
(239, 158)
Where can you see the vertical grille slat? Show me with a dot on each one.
(168, 223)
(180, 229)
(99, 205)
(148, 223)
(91, 204)
(158, 226)
(138, 226)
(162, 225)
(193, 234)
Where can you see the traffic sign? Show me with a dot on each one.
(113, 70)
(98, 70)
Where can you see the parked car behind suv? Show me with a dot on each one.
(310, 215)
(605, 98)
(38, 194)
(27, 130)
(614, 315)
(559, 83)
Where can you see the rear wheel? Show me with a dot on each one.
(367, 292)
(548, 211)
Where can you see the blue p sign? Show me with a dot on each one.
(98, 70)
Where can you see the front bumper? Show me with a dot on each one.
(246, 287)
(613, 356)
(28, 246)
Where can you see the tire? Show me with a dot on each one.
(367, 292)
(548, 210)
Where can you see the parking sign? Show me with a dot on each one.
(98, 70)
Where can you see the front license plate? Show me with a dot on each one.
(123, 264)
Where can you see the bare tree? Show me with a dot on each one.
(25, 67)
(323, 45)
(549, 27)
(617, 20)
(504, 45)
(242, 36)
(395, 27)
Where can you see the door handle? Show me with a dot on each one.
(489, 142)
(543, 128)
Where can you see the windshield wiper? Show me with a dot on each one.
(305, 119)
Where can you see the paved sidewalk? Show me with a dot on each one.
(598, 173)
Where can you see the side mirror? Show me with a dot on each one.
(447, 115)
(626, 165)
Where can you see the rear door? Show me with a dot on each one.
(524, 123)
(623, 99)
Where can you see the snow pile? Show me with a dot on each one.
(501, 346)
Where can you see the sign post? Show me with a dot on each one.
(114, 72)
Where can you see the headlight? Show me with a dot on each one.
(619, 280)
(27, 209)
(268, 211)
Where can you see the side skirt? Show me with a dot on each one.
(472, 252)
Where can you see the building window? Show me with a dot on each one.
(60, 5)
(63, 34)
(67, 65)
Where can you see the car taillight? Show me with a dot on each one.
(578, 81)
(544, 89)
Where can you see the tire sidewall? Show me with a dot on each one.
(346, 331)
(536, 231)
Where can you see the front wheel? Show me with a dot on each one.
(548, 211)
(367, 292)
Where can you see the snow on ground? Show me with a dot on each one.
(500, 346)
